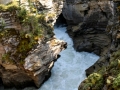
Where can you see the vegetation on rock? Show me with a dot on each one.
(9, 7)
(33, 28)
(107, 76)
(91, 82)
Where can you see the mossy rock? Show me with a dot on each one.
(93, 82)
(93, 78)
(6, 59)
(8, 33)
(9, 7)
(116, 82)
(38, 28)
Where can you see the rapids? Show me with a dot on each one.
(69, 70)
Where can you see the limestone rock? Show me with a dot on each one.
(37, 66)
(42, 59)
(23, 63)
(87, 22)
(108, 64)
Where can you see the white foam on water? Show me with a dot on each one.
(69, 70)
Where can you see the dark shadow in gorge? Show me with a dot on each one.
(1, 84)
(61, 21)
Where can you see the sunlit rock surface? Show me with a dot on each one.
(41, 60)
(23, 63)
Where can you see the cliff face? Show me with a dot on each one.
(28, 49)
(88, 25)
(87, 20)
(94, 27)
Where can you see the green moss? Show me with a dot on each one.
(3, 7)
(27, 38)
(102, 70)
(22, 14)
(7, 33)
(87, 86)
(23, 48)
(2, 23)
(9, 7)
(113, 64)
(99, 84)
(41, 18)
(93, 78)
(116, 82)
(93, 82)
(115, 55)
(6, 58)
(13, 7)
(30, 37)
(96, 81)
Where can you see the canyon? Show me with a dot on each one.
(93, 26)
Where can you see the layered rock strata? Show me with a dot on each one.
(87, 22)
(94, 27)
(28, 48)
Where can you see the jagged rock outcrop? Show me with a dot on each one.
(94, 27)
(28, 48)
(37, 65)
(88, 26)
(112, 30)
(104, 74)
(87, 22)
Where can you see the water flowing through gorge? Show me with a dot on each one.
(69, 69)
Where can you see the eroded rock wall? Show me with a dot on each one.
(94, 27)
(28, 48)
(87, 22)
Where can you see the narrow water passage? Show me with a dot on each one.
(69, 69)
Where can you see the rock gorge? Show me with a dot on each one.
(92, 24)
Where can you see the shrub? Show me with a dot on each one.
(116, 82)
